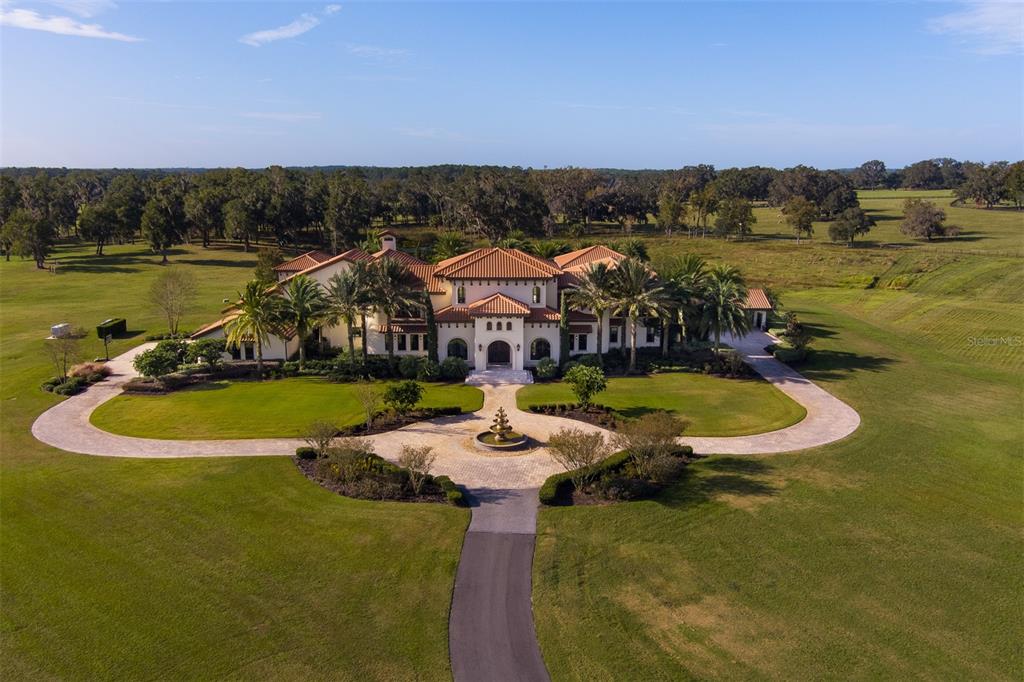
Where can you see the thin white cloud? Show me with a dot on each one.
(376, 52)
(285, 116)
(304, 23)
(66, 26)
(84, 8)
(986, 27)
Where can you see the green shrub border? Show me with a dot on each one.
(558, 488)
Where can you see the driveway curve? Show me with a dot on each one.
(491, 631)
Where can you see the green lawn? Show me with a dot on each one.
(251, 409)
(711, 406)
(199, 568)
(894, 553)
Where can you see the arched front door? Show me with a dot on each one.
(499, 353)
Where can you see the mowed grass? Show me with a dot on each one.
(252, 409)
(198, 568)
(710, 406)
(894, 553)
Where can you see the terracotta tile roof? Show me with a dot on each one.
(402, 257)
(202, 331)
(496, 263)
(582, 257)
(356, 254)
(580, 316)
(351, 256)
(453, 314)
(543, 315)
(424, 275)
(581, 329)
(757, 300)
(498, 304)
(303, 262)
(406, 326)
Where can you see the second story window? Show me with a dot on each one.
(536, 294)
(460, 294)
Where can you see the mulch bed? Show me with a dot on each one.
(430, 494)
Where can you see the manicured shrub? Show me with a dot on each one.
(651, 436)
(176, 347)
(206, 351)
(156, 362)
(586, 382)
(306, 452)
(49, 384)
(547, 369)
(114, 326)
(70, 387)
(454, 369)
(567, 367)
(409, 366)
(428, 370)
(577, 451)
(403, 396)
(589, 360)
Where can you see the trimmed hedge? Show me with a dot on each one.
(114, 326)
(558, 487)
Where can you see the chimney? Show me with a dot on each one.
(388, 241)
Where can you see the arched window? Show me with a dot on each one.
(457, 348)
(540, 348)
(460, 294)
(536, 294)
(490, 326)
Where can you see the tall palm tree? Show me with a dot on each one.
(595, 292)
(447, 245)
(685, 278)
(637, 294)
(549, 248)
(303, 309)
(345, 297)
(723, 304)
(363, 272)
(391, 295)
(255, 321)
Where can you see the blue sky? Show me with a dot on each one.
(97, 83)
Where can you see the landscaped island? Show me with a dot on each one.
(711, 406)
(253, 409)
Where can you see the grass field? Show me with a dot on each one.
(250, 409)
(895, 553)
(892, 554)
(197, 569)
(711, 406)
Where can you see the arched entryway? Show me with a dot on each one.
(499, 354)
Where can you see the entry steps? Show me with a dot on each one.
(499, 377)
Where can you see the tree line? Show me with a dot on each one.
(334, 208)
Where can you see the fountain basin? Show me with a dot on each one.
(511, 441)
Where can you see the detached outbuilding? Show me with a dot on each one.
(758, 307)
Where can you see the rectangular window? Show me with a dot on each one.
(415, 339)
(250, 352)
(572, 342)
(401, 342)
(613, 335)
(583, 342)
(650, 333)
(536, 294)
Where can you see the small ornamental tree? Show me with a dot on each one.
(63, 352)
(369, 399)
(577, 451)
(403, 396)
(320, 436)
(418, 462)
(207, 351)
(586, 382)
(648, 438)
(172, 292)
(155, 363)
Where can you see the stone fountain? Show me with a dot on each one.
(500, 435)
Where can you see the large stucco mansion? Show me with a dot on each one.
(494, 307)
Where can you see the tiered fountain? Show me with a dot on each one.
(500, 435)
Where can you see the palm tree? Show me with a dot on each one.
(637, 294)
(685, 278)
(255, 321)
(549, 248)
(390, 295)
(447, 245)
(723, 304)
(303, 308)
(345, 297)
(595, 292)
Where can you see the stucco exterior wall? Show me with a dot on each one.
(521, 290)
